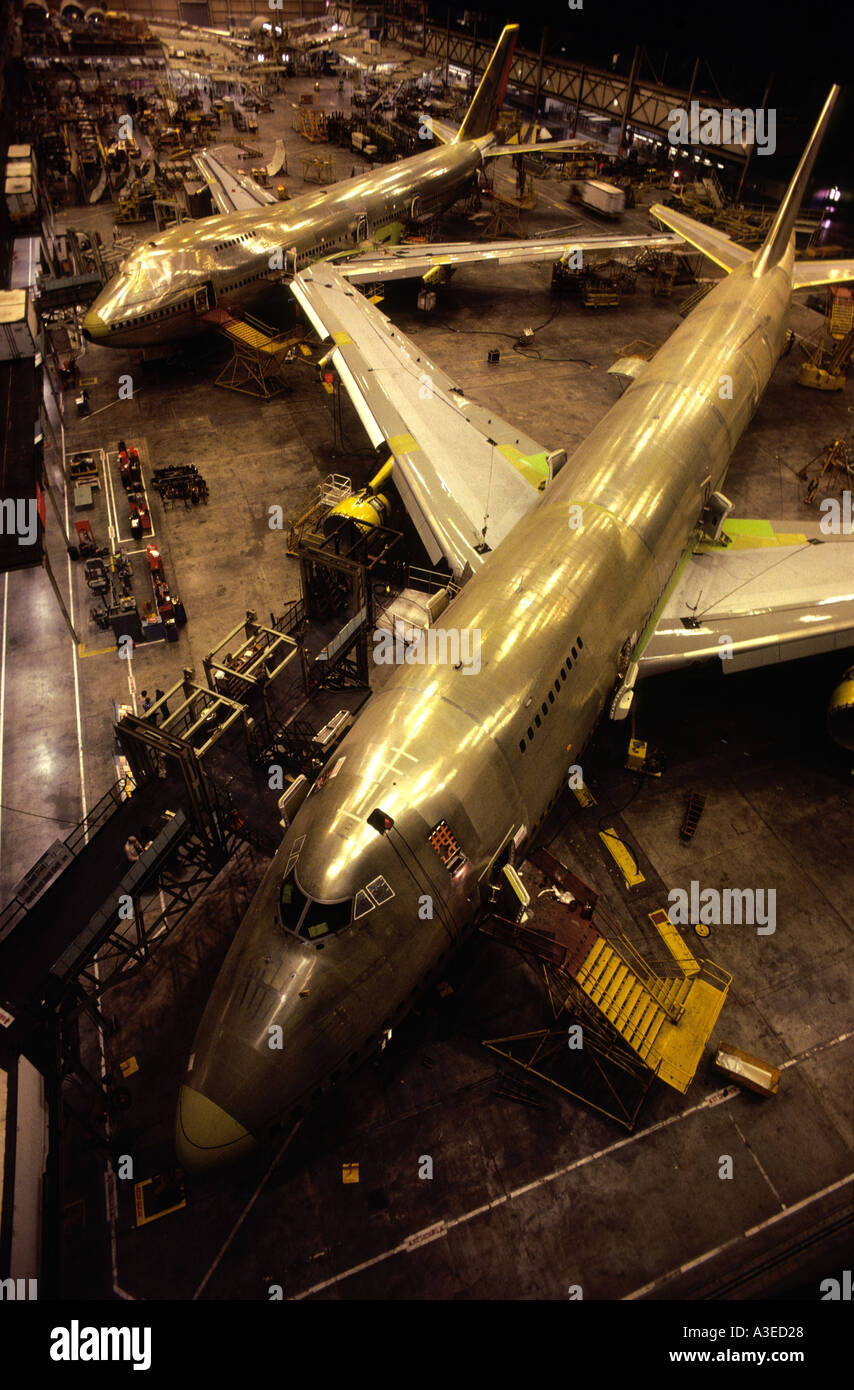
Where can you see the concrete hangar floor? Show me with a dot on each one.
(531, 1192)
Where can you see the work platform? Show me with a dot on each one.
(259, 354)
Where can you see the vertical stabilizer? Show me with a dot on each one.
(482, 115)
(774, 247)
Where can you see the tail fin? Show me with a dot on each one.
(482, 115)
(776, 243)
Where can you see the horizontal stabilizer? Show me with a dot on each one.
(809, 273)
(443, 131)
(716, 245)
(535, 147)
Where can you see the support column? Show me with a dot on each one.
(629, 95)
(539, 85)
(746, 166)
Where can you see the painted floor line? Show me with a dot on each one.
(711, 1102)
(743, 1235)
(75, 665)
(3, 692)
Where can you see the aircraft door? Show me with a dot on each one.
(363, 230)
(204, 299)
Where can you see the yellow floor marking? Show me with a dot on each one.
(621, 856)
(102, 651)
(139, 1203)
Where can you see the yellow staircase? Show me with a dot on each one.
(259, 353)
(841, 316)
(665, 1020)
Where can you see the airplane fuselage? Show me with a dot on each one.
(167, 285)
(348, 924)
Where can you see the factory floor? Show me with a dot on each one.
(531, 1193)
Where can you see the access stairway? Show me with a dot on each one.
(653, 1024)
(664, 1020)
(259, 354)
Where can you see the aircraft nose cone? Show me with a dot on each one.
(94, 327)
(206, 1136)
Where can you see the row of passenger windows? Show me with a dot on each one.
(146, 318)
(321, 248)
(235, 284)
(326, 245)
(550, 699)
(232, 241)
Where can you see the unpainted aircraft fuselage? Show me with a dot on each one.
(167, 285)
(349, 923)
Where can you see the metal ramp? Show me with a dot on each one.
(259, 354)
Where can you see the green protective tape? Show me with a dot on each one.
(533, 467)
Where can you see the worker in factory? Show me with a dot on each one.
(133, 848)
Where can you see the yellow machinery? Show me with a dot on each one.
(641, 1019)
(367, 508)
(840, 713)
(259, 354)
(834, 458)
(312, 124)
(318, 168)
(825, 368)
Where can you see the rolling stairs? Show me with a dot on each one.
(665, 1020)
(259, 354)
(641, 1021)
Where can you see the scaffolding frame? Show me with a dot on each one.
(608, 1077)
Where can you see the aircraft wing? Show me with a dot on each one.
(230, 192)
(464, 475)
(774, 596)
(413, 258)
(809, 273)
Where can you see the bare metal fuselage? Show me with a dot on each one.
(167, 284)
(488, 754)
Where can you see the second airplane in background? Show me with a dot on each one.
(170, 283)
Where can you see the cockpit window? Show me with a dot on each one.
(320, 919)
(292, 904)
(309, 918)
